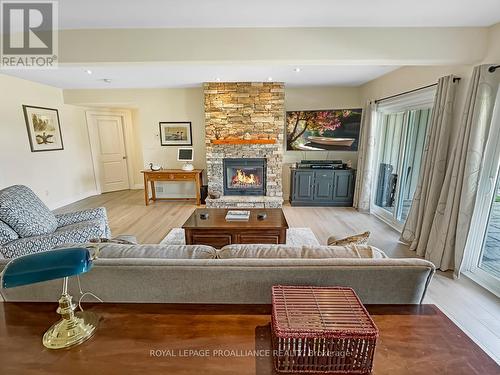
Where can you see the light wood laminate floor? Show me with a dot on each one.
(473, 309)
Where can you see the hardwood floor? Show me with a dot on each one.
(475, 310)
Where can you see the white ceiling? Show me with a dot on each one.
(191, 75)
(87, 14)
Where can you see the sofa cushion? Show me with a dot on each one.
(7, 234)
(259, 251)
(347, 251)
(304, 252)
(112, 250)
(25, 213)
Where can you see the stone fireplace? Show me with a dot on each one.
(244, 176)
(245, 121)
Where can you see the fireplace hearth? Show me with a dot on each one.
(244, 176)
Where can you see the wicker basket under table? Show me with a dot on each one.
(321, 330)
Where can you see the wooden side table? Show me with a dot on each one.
(173, 175)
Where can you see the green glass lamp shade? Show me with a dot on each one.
(75, 327)
(46, 265)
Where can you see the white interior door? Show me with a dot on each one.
(108, 141)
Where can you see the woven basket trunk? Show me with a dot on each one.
(321, 330)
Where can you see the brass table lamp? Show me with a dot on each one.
(73, 328)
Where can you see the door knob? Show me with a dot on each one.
(124, 157)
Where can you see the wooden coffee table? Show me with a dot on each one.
(217, 232)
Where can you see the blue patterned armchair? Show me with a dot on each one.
(28, 226)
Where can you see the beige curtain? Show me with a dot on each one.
(417, 228)
(450, 227)
(366, 153)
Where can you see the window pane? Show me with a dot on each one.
(388, 161)
(418, 121)
(490, 257)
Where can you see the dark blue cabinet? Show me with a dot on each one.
(304, 185)
(324, 187)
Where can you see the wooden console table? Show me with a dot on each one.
(220, 340)
(174, 175)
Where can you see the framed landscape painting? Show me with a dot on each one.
(328, 130)
(44, 128)
(176, 134)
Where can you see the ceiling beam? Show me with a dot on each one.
(371, 46)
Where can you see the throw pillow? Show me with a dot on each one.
(357, 239)
(25, 213)
(7, 234)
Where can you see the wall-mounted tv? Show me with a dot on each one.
(328, 130)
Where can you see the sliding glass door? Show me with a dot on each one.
(482, 253)
(400, 145)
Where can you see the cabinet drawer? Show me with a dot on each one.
(172, 177)
(258, 239)
(216, 240)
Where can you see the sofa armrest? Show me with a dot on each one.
(79, 216)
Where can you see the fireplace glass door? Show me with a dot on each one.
(244, 176)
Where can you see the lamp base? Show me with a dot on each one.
(73, 328)
(70, 332)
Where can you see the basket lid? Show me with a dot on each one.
(320, 312)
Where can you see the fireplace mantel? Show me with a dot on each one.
(243, 141)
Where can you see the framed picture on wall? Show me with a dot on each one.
(326, 130)
(44, 128)
(176, 133)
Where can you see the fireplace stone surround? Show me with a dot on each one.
(244, 111)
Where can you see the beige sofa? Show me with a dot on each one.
(239, 274)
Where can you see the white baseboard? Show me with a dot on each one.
(65, 202)
(137, 187)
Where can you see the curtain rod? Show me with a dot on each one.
(455, 79)
(492, 68)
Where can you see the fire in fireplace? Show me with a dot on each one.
(244, 176)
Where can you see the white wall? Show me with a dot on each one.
(493, 48)
(149, 107)
(58, 177)
(316, 98)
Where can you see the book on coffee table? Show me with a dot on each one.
(239, 215)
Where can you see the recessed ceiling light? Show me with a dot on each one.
(296, 70)
(270, 78)
(106, 80)
(89, 71)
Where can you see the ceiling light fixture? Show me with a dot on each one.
(89, 71)
(296, 70)
(106, 80)
(270, 79)
(217, 79)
